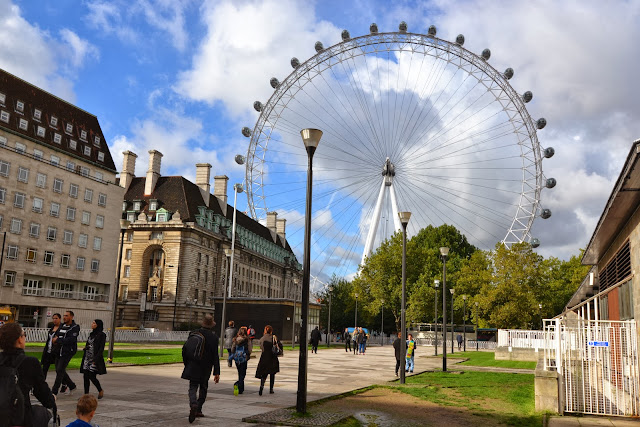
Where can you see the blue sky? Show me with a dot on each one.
(181, 77)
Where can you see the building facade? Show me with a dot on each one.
(59, 208)
(175, 263)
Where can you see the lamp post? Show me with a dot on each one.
(311, 138)
(355, 322)
(435, 320)
(452, 324)
(540, 316)
(476, 325)
(404, 220)
(124, 224)
(237, 188)
(329, 318)
(444, 252)
(293, 316)
(382, 322)
(175, 296)
(464, 321)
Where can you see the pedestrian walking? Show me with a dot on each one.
(67, 340)
(29, 375)
(229, 334)
(347, 340)
(269, 365)
(93, 357)
(399, 352)
(315, 340)
(200, 356)
(240, 353)
(359, 340)
(459, 339)
(51, 351)
(354, 339)
(411, 351)
(363, 344)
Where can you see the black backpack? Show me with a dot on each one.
(11, 397)
(193, 348)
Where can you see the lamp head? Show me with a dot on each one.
(444, 251)
(540, 306)
(477, 304)
(464, 297)
(356, 294)
(382, 300)
(404, 217)
(227, 252)
(124, 224)
(238, 187)
(436, 283)
(452, 290)
(311, 137)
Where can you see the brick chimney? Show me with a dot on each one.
(281, 224)
(272, 220)
(220, 190)
(128, 169)
(203, 175)
(153, 173)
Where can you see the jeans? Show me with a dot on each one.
(61, 374)
(242, 373)
(91, 376)
(229, 359)
(409, 364)
(362, 347)
(193, 389)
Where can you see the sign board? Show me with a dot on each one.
(598, 343)
(49, 313)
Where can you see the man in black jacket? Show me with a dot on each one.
(347, 340)
(67, 340)
(316, 336)
(198, 372)
(400, 352)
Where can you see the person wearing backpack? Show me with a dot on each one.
(200, 356)
(240, 353)
(269, 365)
(15, 405)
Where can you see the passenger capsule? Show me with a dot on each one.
(432, 30)
(319, 47)
(403, 27)
(541, 123)
(257, 106)
(486, 54)
(345, 35)
(551, 182)
(535, 242)
(527, 96)
(549, 152)
(274, 82)
(508, 73)
(460, 40)
(373, 28)
(546, 213)
(295, 63)
(246, 132)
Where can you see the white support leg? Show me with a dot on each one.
(373, 227)
(394, 207)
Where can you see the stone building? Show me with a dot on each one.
(59, 207)
(174, 266)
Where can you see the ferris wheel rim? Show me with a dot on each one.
(532, 183)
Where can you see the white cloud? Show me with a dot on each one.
(80, 50)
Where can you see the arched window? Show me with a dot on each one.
(156, 262)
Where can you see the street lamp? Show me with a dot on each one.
(311, 139)
(435, 307)
(540, 316)
(175, 295)
(355, 322)
(464, 321)
(452, 325)
(293, 316)
(124, 224)
(329, 318)
(404, 219)
(237, 188)
(444, 252)
(190, 303)
(476, 325)
(382, 321)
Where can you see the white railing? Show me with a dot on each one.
(518, 338)
(122, 335)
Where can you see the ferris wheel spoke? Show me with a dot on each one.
(470, 184)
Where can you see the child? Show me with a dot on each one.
(411, 347)
(85, 411)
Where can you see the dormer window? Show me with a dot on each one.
(24, 125)
(73, 144)
(21, 148)
(3, 98)
(100, 156)
(19, 106)
(87, 150)
(153, 205)
(54, 121)
(57, 138)
(83, 135)
(37, 114)
(4, 116)
(136, 205)
(96, 140)
(124, 206)
(40, 131)
(68, 128)
(131, 216)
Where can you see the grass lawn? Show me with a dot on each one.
(137, 356)
(487, 358)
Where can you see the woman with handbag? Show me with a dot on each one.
(93, 358)
(269, 364)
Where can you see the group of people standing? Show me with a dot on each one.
(358, 338)
(239, 345)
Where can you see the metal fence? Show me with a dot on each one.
(518, 338)
(122, 335)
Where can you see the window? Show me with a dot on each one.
(24, 125)
(37, 114)
(41, 180)
(55, 209)
(52, 232)
(83, 135)
(156, 235)
(73, 144)
(128, 254)
(97, 243)
(23, 174)
(96, 140)
(71, 213)
(86, 217)
(131, 216)
(4, 116)
(80, 263)
(161, 217)
(32, 255)
(48, 258)
(130, 236)
(4, 168)
(57, 138)
(124, 206)
(100, 156)
(38, 154)
(125, 292)
(12, 252)
(32, 287)
(57, 185)
(21, 148)
(153, 205)
(95, 265)
(102, 199)
(206, 260)
(68, 128)
(62, 290)
(136, 205)
(87, 150)
(68, 237)
(3, 98)
(88, 195)
(37, 204)
(40, 131)
(9, 278)
(84, 171)
(198, 275)
(73, 191)
(54, 121)
(89, 292)
(71, 166)
(99, 176)
(18, 200)
(55, 160)
(20, 106)
(34, 229)
(99, 221)
(65, 259)
(16, 225)
(127, 270)
(3, 141)
(82, 240)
